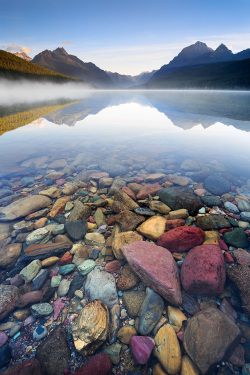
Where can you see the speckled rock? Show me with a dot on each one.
(9, 254)
(101, 285)
(91, 328)
(240, 276)
(9, 296)
(181, 238)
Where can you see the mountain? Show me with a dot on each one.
(221, 75)
(23, 55)
(62, 62)
(127, 81)
(14, 67)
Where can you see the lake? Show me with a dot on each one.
(125, 230)
(137, 131)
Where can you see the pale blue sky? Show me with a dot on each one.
(127, 36)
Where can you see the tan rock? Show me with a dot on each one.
(80, 253)
(9, 254)
(167, 349)
(188, 367)
(153, 228)
(93, 238)
(160, 207)
(178, 214)
(178, 180)
(91, 226)
(176, 318)
(58, 206)
(211, 237)
(158, 370)
(125, 200)
(91, 327)
(52, 192)
(121, 239)
(125, 333)
(21, 314)
(99, 217)
(153, 177)
(49, 261)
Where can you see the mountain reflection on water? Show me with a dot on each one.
(139, 130)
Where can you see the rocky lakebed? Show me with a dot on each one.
(120, 270)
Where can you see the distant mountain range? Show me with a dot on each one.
(15, 67)
(196, 66)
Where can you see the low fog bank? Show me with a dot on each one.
(27, 92)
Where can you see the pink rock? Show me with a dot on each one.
(180, 335)
(58, 306)
(3, 338)
(242, 257)
(99, 364)
(149, 189)
(182, 238)
(156, 267)
(60, 182)
(203, 271)
(141, 347)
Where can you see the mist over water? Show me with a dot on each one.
(26, 92)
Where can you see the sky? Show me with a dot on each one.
(125, 36)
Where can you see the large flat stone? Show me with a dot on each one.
(156, 267)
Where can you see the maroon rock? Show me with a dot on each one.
(30, 298)
(149, 189)
(141, 347)
(174, 223)
(113, 266)
(156, 267)
(29, 367)
(181, 238)
(203, 270)
(98, 364)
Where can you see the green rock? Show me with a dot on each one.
(237, 238)
(31, 270)
(210, 222)
(41, 309)
(55, 281)
(113, 352)
(66, 269)
(86, 267)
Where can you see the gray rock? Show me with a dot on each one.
(231, 207)
(101, 285)
(63, 288)
(217, 184)
(211, 200)
(150, 313)
(245, 216)
(76, 229)
(41, 235)
(31, 270)
(40, 279)
(179, 197)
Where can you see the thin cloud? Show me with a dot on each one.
(17, 48)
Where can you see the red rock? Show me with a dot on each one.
(225, 230)
(181, 238)
(113, 266)
(223, 245)
(66, 258)
(129, 192)
(29, 367)
(150, 189)
(228, 258)
(156, 267)
(203, 270)
(171, 224)
(30, 298)
(98, 364)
